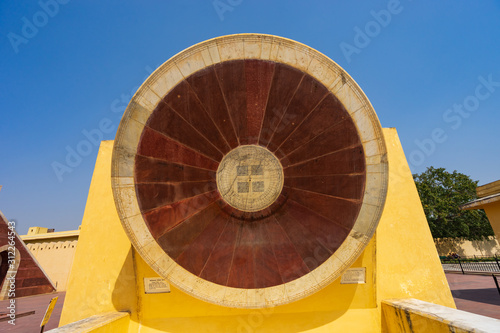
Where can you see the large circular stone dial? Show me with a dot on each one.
(249, 171)
(250, 178)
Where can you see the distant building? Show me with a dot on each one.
(489, 200)
(54, 251)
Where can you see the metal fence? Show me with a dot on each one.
(472, 264)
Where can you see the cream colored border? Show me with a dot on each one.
(249, 46)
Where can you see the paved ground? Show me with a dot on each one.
(32, 322)
(475, 293)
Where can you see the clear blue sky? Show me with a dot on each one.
(427, 67)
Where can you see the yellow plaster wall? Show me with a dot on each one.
(407, 261)
(102, 278)
(55, 256)
(120, 325)
(493, 212)
(401, 261)
(467, 248)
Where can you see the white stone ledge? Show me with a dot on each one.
(91, 323)
(456, 320)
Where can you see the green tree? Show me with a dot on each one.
(441, 194)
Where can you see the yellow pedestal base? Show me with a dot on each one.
(401, 261)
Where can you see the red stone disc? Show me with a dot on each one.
(236, 103)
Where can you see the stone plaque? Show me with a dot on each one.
(156, 286)
(354, 276)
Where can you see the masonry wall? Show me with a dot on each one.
(465, 248)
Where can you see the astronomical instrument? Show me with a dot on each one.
(249, 171)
